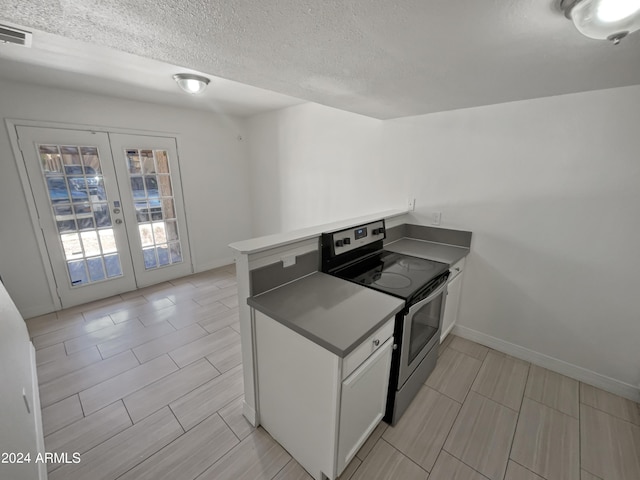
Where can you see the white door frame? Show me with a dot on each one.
(11, 124)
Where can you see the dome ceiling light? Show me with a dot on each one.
(193, 84)
(603, 19)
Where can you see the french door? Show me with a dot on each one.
(109, 207)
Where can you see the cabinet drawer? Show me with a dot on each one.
(456, 268)
(366, 348)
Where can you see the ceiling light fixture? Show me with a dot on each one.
(603, 19)
(193, 84)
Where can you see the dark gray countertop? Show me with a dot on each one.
(439, 252)
(333, 313)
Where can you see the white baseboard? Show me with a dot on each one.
(203, 267)
(31, 312)
(444, 334)
(559, 366)
(249, 413)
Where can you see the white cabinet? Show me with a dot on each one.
(452, 303)
(363, 402)
(20, 416)
(320, 407)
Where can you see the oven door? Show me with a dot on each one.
(420, 331)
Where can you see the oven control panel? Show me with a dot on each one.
(344, 241)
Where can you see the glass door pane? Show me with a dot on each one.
(79, 204)
(149, 175)
(150, 182)
(75, 190)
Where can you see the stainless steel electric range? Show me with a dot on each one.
(356, 254)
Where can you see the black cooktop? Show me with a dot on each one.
(393, 273)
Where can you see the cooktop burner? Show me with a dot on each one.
(391, 280)
(394, 273)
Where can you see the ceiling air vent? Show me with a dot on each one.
(15, 36)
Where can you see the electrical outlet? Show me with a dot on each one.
(435, 218)
(288, 261)
(411, 204)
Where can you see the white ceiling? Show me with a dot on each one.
(62, 62)
(380, 58)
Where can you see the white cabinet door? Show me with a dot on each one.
(451, 306)
(363, 403)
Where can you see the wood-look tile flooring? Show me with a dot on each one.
(148, 385)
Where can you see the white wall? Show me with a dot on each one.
(213, 163)
(549, 187)
(551, 190)
(21, 429)
(312, 164)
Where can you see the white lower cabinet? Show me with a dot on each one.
(454, 288)
(363, 402)
(320, 407)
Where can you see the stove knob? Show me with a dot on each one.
(339, 243)
(347, 241)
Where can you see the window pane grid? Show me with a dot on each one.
(152, 190)
(78, 200)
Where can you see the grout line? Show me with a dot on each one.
(106, 439)
(554, 408)
(84, 414)
(512, 438)
(591, 473)
(214, 367)
(464, 463)
(443, 394)
(234, 447)
(476, 375)
(374, 444)
(609, 414)
(456, 401)
(551, 408)
(515, 430)
(408, 458)
(176, 417)
(170, 358)
(496, 401)
(468, 354)
(358, 467)
(168, 404)
(228, 426)
(579, 428)
(529, 470)
(129, 414)
(284, 466)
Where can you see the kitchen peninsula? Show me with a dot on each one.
(312, 342)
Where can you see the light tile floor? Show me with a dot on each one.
(148, 385)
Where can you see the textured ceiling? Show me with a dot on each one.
(380, 58)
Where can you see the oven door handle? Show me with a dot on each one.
(421, 303)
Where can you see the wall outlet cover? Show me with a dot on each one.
(288, 261)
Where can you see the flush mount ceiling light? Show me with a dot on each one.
(193, 84)
(603, 19)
